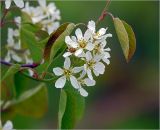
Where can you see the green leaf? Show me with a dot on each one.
(56, 41)
(62, 107)
(32, 103)
(126, 38)
(28, 38)
(74, 108)
(11, 71)
(132, 40)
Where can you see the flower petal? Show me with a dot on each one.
(60, 82)
(89, 74)
(67, 63)
(8, 57)
(95, 72)
(106, 60)
(78, 52)
(42, 3)
(69, 41)
(66, 54)
(87, 35)
(77, 69)
(92, 26)
(89, 46)
(8, 126)
(83, 92)
(74, 82)
(7, 4)
(102, 31)
(78, 33)
(89, 82)
(88, 56)
(58, 71)
(19, 3)
(99, 67)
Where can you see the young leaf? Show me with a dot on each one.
(74, 109)
(56, 41)
(28, 38)
(132, 40)
(122, 36)
(11, 71)
(62, 107)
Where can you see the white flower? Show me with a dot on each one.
(66, 73)
(100, 49)
(93, 63)
(80, 43)
(19, 3)
(84, 82)
(8, 126)
(101, 34)
(12, 46)
(46, 15)
(50, 9)
(36, 13)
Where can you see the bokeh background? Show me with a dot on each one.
(127, 95)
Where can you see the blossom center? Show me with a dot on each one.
(67, 72)
(90, 63)
(82, 43)
(72, 50)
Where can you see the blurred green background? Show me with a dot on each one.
(126, 96)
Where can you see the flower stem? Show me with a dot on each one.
(104, 12)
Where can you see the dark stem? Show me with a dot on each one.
(104, 12)
(3, 17)
(34, 65)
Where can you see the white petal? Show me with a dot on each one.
(16, 57)
(98, 57)
(78, 52)
(83, 92)
(66, 54)
(70, 42)
(82, 74)
(102, 31)
(107, 49)
(60, 82)
(74, 38)
(95, 72)
(106, 55)
(7, 3)
(106, 60)
(77, 69)
(89, 82)
(74, 82)
(58, 71)
(87, 35)
(78, 33)
(90, 46)
(89, 74)
(67, 63)
(88, 56)
(42, 3)
(19, 3)
(99, 67)
(8, 126)
(92, 26)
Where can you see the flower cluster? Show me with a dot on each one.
(46, 15)
(91, 52)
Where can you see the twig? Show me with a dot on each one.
(104, 12)
(34, 65)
